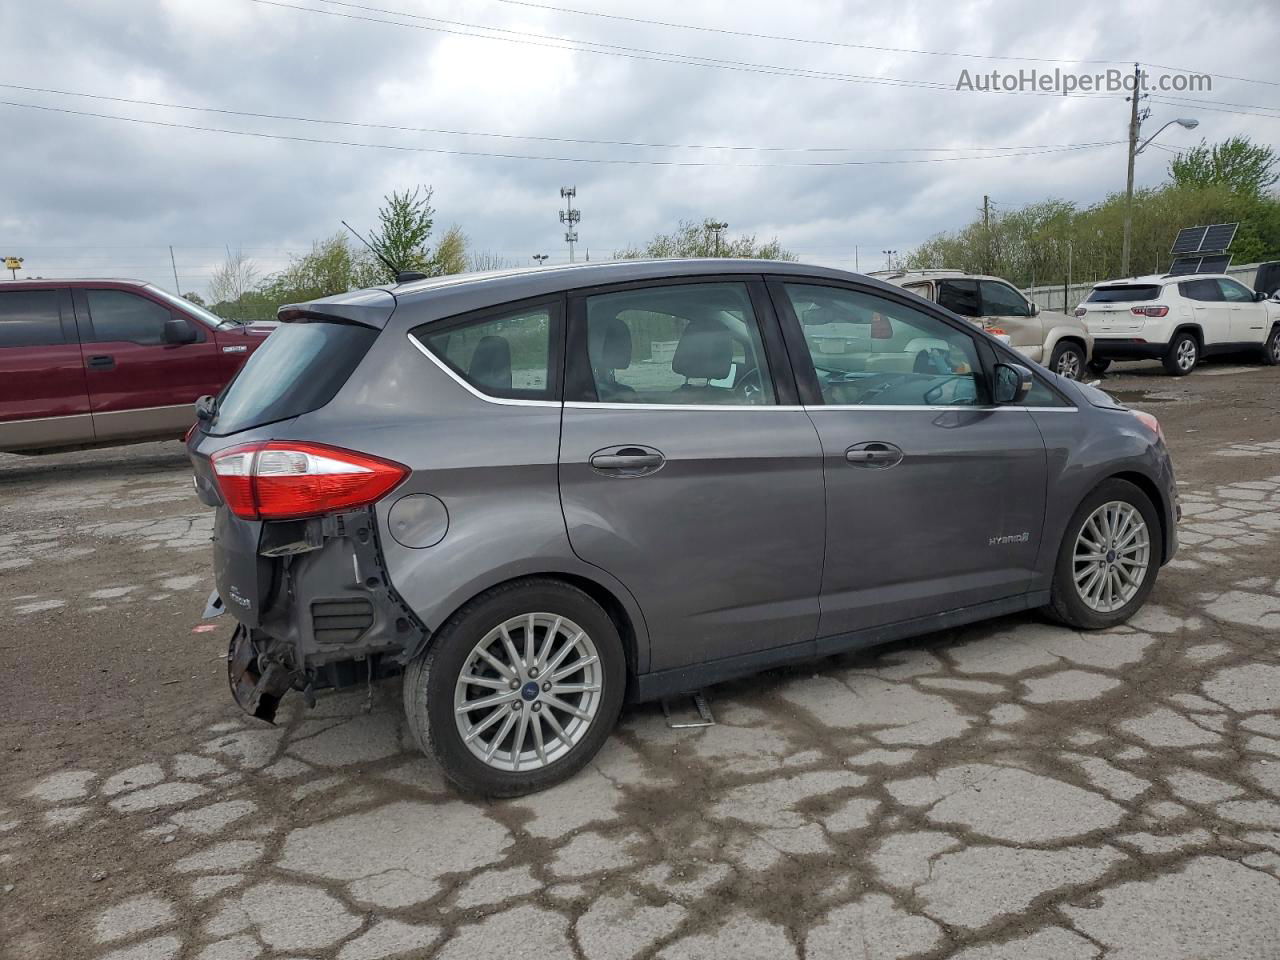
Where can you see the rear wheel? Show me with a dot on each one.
(1068, 360)
(1271, 349)
(1099, 366)
(1183, 354)
(1109, 558)
(519, 690)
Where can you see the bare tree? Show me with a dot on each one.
(236, 276)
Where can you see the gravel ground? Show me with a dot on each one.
(1012, 789)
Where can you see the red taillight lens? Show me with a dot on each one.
(1151, 422)
(285, 480)
(1149, 311)
(1081, 311)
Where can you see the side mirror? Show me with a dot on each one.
(1013, 383)
(1259, 296)
(180, 330)
(1035, 309)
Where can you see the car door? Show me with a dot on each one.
(45, 401)
(1008, 309)
(139, 385)
(1247, 318)
(1211, 311)
(935, 497)
(687, 469)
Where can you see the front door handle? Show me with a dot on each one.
(102, 361)
(627, 461)
(875, 454)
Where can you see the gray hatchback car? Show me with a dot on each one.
(540, 493)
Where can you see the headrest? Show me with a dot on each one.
(609, 344)
(705, 351)
(491, 363)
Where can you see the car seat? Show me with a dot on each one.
(704, 353)
(609, 346)
(491, 363)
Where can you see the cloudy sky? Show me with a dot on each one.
(87, 193)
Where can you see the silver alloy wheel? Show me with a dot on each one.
(1185, 356)
(528, 692)
(1274, 346)
(1112, 553)
(1068, 365)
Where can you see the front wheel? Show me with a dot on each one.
(1271, 349)
(1109, 558)
(1183, 354)
(519, 689)
(1068, 360)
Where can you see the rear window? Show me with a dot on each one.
(1125, 293)
(298, 369)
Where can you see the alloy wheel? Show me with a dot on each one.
(1112, 553)
(528, 692)
(1274, 346)
(1069, 365)
(1186, 354)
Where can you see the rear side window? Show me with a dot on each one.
(117, 315)
(30, 318)
(298, 369)
(1125, 293)
(1206, 291)
(507, 355)
(1001, 300)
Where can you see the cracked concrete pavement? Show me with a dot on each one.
(1007, 790)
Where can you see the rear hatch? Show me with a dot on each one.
(298, 369)
(1109, 308)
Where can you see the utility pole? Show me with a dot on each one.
(986, 234)
(177, 287)
(856, 268)
(1135, 128)
(715, 226)
(570, 217)
(541, 258)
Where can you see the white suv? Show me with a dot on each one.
(1060, 342)
(1179, 320)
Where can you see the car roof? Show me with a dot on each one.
(1161, 279)
(41, 282)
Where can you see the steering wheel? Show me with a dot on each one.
(932, 395)
(749, 386)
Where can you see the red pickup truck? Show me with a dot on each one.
(96, 362)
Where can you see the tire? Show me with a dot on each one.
(1271, 349)
(1068, 360)
(1183, 354)
(1069, 600)
(1099, 366)
(431, 689)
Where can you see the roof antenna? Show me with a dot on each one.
(402, 276)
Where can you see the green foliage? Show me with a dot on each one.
(404, 226)
(692, 239)
(1238, 164)
(194, 298)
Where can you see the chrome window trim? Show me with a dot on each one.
(460, 381)
(939, 409)
(758, 408)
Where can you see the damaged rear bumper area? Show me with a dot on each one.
(314, 606)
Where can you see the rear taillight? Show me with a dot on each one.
(1151, 422)
(1149, 311)
(283, 480)
(1081, 311)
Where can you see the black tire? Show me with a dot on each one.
(1099, 366)
(430, 679)
(1066, 605)
(1068, 360)
(1271, 349)
(1184, 345)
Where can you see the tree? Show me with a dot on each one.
(194, 298)
(450, 254)
(693, 239)
(237, 276)
(332, 266)
(1239, 164)
(405, 222)
(482, 260)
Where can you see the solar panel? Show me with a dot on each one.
(1217, 238)
(1189, 239)
(1184, 266)
(1217, 263)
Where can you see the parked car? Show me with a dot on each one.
(1057, 341)
(1179, 321)
(96, 362)
(508, 487)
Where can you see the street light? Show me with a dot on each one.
(541, 258)
(1135, 127)
(889, 255)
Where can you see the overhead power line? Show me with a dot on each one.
(542, 139)
(614, 161)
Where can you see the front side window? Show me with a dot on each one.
(1206, 291)
(960, 296)
(688, 344)
(1234, 292)
(1001, 300)
(120, 316)
(30, 318)
(870, 351)
(507, 356)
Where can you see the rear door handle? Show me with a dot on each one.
(102, 361)
(627, 461)
(875, 454)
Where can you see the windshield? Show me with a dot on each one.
(212, 319)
